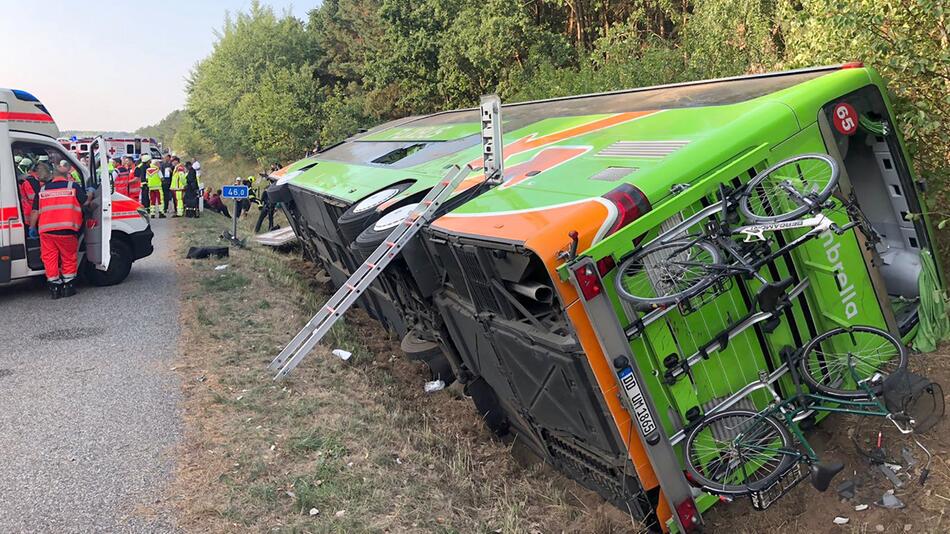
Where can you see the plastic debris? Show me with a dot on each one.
(433, 386)
(860, 508)
(879, 528)
(314, 511)
(340, 513)
(841, 520)
(889, 500)
(846, 490)
(342, 354)
(221, 267)
(908, 457)
(891, 475)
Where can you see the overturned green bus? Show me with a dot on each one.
(652, 259)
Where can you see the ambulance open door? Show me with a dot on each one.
(99, 222)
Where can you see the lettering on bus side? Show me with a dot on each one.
(846, 291)
(641, 411)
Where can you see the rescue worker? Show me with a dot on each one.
(120, 182)
(167, 168)
(153, 179)
(57, 218)
(30, 185)
(135, 185)
(140, 168)
(178, 182)
(26, 164)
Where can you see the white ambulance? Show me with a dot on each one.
(116, 147)
(117, 230)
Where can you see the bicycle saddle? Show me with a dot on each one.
(772, 296)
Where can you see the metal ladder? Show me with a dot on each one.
(333, 310)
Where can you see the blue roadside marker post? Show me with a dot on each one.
(238, 193)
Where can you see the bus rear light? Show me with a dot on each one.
(688, 515)
(588, 281)
(605, 265)
(631, 204)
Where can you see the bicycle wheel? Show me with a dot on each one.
(739, 451)
(831, 361)
(667, 273)
(783, 191)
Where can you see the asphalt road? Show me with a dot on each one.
(88, 402)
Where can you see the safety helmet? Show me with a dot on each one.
(196, 165)
(17, 159)
(26, 162)
(43, 157)
(146, 157)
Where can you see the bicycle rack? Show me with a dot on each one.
(721, 341)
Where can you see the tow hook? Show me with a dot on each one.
(571, 253)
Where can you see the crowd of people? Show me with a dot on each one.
(159, 184)
(55, 201)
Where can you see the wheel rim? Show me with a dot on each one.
(666, 272)
(779, 191)
(738, 452)
(374, 200)
(393, 218)
(873, 355)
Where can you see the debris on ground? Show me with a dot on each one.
(314, 511)
(889, 500)
(860, 508)
(221, 267)
(841, 520)
(433, 386)
(846, 489)
(200, 253)
(891, 475)
(342, 354)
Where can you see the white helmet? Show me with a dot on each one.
(146, 158)
(196, 165)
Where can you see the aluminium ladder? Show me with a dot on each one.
(360, 280)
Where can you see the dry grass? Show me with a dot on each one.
(358, 441)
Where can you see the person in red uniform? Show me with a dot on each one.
(57, 217)
(121, 180)
(30, 186)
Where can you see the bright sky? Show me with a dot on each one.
(111, 65)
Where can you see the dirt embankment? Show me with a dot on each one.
(340, 446)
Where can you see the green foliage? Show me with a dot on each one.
(166, 128)
(273, 84)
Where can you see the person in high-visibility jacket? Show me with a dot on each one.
(57, 218)
(153, 178)
(179, 179)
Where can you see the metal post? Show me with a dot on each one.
(234, 218)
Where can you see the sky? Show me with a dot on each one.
(111, 65)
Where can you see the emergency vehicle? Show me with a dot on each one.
(116, 147)
(117, 231)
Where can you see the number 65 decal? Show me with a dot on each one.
(846, 118)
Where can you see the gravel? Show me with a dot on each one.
(88, 404)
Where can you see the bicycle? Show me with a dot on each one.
(674, 266)
(745, 452)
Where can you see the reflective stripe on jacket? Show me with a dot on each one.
(60, 209)
(178, 180)
(121, 182)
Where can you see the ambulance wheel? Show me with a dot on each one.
(363, 213)
(119, 266)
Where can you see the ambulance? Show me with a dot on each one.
(117, 230)
(115, 147)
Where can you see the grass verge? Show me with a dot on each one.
(340, 446)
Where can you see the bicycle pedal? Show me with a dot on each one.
(823, 473)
